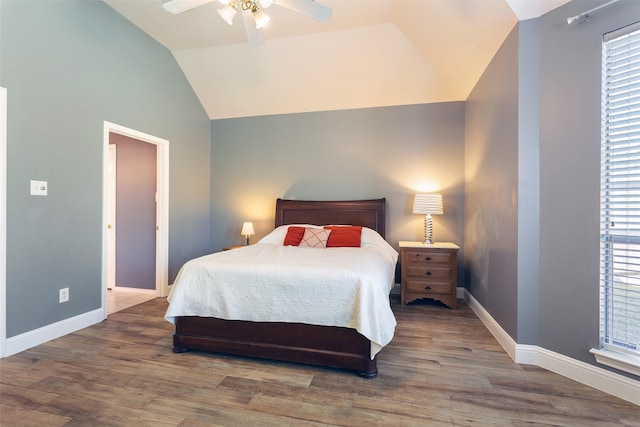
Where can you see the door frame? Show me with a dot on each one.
(162, 206)
(3, 220)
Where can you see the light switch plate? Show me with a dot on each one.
(38, 188)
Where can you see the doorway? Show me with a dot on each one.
(159, 225)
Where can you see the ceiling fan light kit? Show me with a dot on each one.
(261, 18)
(228, 12)
(230, 7)
(254, 8)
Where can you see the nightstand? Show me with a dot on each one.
(429, 271)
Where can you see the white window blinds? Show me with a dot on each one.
(620, 193)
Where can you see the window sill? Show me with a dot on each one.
(614, 359)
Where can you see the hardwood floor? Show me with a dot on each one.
(443, 368)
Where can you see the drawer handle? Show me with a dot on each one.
(428, 273)
(428, 258)
(428, 287)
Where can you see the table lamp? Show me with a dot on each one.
(247, 230)
(428, 204)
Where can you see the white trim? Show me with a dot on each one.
(162, 200)
(496, 330)
(162, 206)
(526, 354)
(50, 332)
(593, 376)
(3, 220)
(624, 362)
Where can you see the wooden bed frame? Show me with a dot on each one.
(330, 346)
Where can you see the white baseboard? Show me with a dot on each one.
(500, 334)
(609, 382)
(39, 336)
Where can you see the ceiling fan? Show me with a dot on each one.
(252, 12)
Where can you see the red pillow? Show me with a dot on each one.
(344, 236)
(294, 236)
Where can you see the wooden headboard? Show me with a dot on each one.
(368, 213)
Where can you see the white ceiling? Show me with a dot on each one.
(371, 53)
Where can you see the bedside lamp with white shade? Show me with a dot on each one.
(428, 204)
(247, 230)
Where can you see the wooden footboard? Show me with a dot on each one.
(293, 342)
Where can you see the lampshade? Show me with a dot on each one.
(427, 203)
(260, 18)
(247, 229)
(227, 13)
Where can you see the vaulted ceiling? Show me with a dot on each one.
(371, 53)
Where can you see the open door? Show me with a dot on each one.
(111, 216)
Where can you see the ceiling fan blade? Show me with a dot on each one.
(179, 6)
(307, 7)
(255, 35)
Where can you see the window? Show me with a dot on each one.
(620, 202)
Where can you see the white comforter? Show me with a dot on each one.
(268, 282)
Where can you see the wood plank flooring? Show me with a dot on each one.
(443, 368)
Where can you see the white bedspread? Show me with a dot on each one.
(268, 282)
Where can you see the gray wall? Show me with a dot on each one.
(491, 187)
(68, 66)
(355, 154)
(528, 280)
(570, 94)
(135, 212)
(533, 130)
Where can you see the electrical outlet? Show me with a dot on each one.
(39, 188)
(64, 295)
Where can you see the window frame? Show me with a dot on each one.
(619, 247)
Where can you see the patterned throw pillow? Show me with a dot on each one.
(315, 238)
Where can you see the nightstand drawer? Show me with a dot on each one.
(430, 287)
(429, 272)
(414, 257)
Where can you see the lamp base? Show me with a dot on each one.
(428, 230)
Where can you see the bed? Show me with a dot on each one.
(318, 342)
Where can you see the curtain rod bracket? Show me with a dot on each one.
(586, 16)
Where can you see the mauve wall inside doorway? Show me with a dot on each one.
(135, 212)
